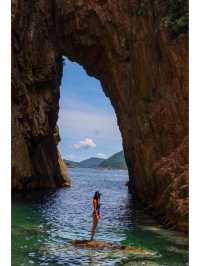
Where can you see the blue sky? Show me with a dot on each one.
(87, 121)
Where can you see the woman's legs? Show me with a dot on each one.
(94, 226)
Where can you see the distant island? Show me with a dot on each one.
(71, 163)
(116, 161)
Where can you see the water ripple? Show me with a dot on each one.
(43, 225)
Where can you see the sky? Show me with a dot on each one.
(87, 121)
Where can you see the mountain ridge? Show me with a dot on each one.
(115, 161)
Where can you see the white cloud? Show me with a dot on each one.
(85, 144)
(101, 155)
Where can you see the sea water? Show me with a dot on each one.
(45, 222)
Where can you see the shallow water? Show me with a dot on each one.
(43, 224)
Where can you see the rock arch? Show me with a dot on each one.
(143, 70)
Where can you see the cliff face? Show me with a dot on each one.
(138, 50)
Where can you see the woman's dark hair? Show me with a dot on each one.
(97, 195)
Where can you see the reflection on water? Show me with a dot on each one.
(43, 225)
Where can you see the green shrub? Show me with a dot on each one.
(176, 16)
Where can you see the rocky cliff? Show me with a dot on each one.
(138, 50)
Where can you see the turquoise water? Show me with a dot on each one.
(43, 225)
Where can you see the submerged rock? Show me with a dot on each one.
(97, 244)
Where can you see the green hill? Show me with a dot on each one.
(116, 161)
(91, 162)
(71, 163)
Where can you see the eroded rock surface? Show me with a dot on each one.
(138, 50)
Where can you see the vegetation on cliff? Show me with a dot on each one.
(176, 16)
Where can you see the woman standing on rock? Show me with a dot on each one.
(96, 212)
